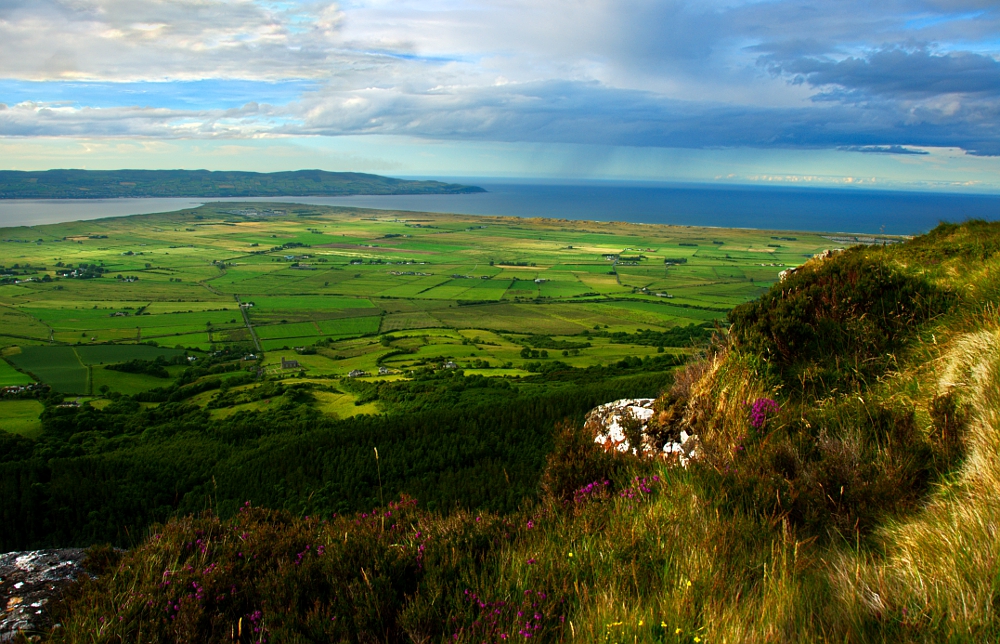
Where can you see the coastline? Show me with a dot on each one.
(756, 208)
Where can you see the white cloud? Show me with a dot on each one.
(628, 72)
(164, 39)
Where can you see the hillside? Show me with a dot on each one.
(844, 490)
(111, 184)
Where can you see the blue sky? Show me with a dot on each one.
(894, 94)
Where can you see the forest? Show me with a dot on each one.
(454, 441)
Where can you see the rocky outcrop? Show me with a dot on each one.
(626, 426)
(31, 580)
(613, 422)
(788, 272)
(821, 256)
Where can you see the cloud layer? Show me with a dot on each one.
(788, 74)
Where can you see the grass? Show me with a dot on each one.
(192, 265)
(862, 509)
(126, 383)
(65, 368)
(303, 329)
(59, 367)
(21, 417)
(198, 341)
(109, 354)
(273, 304)
(349, 327)
(342, 405)
(10, 376)
(280, 343)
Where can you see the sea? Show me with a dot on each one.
(726, 206)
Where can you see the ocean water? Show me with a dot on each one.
(771, 208)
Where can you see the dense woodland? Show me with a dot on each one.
(103, 475)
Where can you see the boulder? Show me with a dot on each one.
(613, 422)
(29, 581)
(610, 421)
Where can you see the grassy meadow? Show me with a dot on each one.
(21, 417)
(343, 289)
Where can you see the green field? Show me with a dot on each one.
(332, 280)
(108, 354)
(128, 383)
(10, 376)
(67, 369)
(58, 366)
(20, 417)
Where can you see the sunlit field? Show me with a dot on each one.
(344, 290)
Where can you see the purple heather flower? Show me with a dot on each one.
(760, 409)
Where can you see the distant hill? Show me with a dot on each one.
(109, 184)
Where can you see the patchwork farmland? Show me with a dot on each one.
(344, 290)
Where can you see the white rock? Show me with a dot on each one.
(609, 420)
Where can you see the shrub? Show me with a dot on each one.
(394, 574)
(867, 462)
(836, 322)
(575, 461)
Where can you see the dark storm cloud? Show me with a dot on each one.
(898, 73)
(881, 149)
(592, 113)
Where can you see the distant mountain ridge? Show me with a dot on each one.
(110, 184)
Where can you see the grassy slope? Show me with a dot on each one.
(673, 556)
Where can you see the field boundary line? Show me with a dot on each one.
(246, 319)
(89, 386)
(27, 337)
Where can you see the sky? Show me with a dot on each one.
(896, 94)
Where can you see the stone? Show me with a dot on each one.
(29, 581)
(608, 422)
